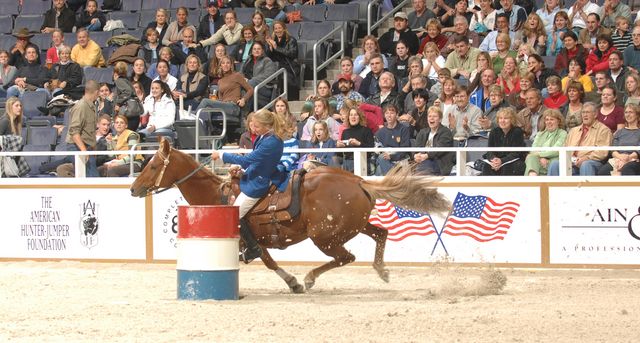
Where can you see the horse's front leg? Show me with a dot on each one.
(291, 280)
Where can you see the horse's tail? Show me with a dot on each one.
(404, 188)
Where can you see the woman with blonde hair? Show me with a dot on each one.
(432, 61)
(192, 84)
(533, 34)
(11, 121)
(632, 89)
(257, 171)
(122, 141)
(553, 135)
(434, 34)
(509, 77)
(503, 44)
(505, 134)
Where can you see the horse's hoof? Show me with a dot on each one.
(297, 289)
(309, 283)
(383, 273)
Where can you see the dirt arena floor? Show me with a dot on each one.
(100, 302)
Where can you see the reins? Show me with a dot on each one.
(165, 162)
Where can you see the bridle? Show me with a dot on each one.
(165, 162)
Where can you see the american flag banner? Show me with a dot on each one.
(480, 218)
(401, 223)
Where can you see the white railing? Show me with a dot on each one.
(339, 53)
(360, 154)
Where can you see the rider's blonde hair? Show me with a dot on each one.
(272, 121)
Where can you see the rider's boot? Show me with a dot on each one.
(252, 250)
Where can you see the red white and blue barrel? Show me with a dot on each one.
(208, 239)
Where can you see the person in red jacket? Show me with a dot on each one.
(556, 98)
(598, 59)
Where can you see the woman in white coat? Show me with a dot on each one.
(160, 108)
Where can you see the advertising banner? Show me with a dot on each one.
(594, 225)
(165, 224)
(494, 225)
(79, 223)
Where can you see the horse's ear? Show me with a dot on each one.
(164, 145)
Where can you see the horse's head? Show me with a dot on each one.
(157, 174)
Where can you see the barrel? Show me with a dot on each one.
(208, 239)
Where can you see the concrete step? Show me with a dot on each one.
(357, 51)
(304, 93)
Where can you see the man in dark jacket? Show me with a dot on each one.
(186, 47)
(210, 22)
(400, 31)
(58, 17)
(369, 85)
(31, 76)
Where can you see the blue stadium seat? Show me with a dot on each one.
(190, 4)
(131, 5)
(101, 37)
(346, 13)
(70, 39)
(130, 20)
(194, 17)
(7, 42)
(315, 13)
(146, 17)
(155, 4)
(294, 30)
(31, 22)
(9, 7)
(35, 7)
(36, 161)
(30, 103)
(315, 31)
(42, 40)
(100, 75)
(245, 14)
(42, 135)
(106, 52)
(42, 121)
(6, 24)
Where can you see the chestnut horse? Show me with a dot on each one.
(335, 206)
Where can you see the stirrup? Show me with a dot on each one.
(248, 255)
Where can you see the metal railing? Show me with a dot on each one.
(340, 53)
(264, 83)
(213, 138)
(375, 25)
(360, 154)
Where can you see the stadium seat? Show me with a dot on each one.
(42, 40)
(315, 13)
(35, 7)
(30, 103)
(155, 4)
(7, 42)
(146, 17)
(31, 22)
(346, 13)
(549, 61)
(41, 135)
(294, 30)
(190, 4)
(35, 162)
(70, 39)
(245, 14)
(101, 37)
(130, 20)
(131, 5)
(100, 75)
(315, 31)
(9, 7)
(186, 132)
(42, 121)
(6, 24)
(106, 52)
(194, 17)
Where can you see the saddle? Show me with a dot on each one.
(277, 207)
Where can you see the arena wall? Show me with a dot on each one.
(568, 222)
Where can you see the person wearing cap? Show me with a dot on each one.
(400, 31)
(345, 85)
(211, 22)
(58, 17)
(16, 54)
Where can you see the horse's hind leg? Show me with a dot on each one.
(380, 236)
(291, 280)
(341, 256)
